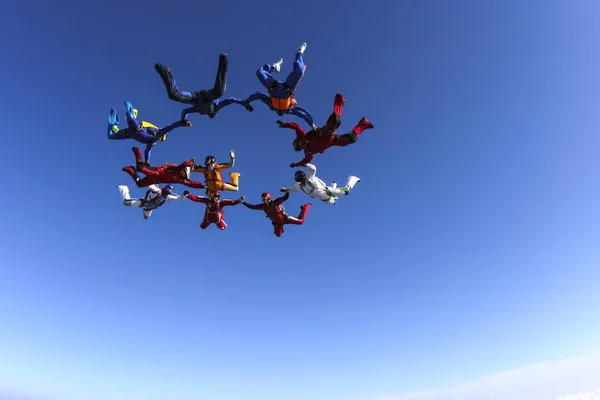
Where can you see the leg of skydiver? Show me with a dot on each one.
(352, 136)
(192, 184)
(300, 220)
(172, 89)
(146, 213)
(221, 224)
(127, 200)
(298, 70)
(278, 230)
(220, 81)
(343, 191)
(204, 224)
(233, 100)
(113, 131)
(235, 182)
(264, 73)
(335, 119)
(131, 115)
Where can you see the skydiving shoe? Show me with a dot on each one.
(352, 180)
(301, 48)
(130, 110)
(277, 65)
(235, 180)
(113, 121)
(131, 172)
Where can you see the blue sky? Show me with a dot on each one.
(468, 248)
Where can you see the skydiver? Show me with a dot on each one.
(281, 97)
(204, 102)
(155, 197)
(166, 173)
(318, 140)
(313, 186)
(143, 132)
(214, 213)
(275, 211)
(213, 178)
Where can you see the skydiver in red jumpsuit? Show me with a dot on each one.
(166, 173)
(319, 140)
(214, 213)
(276, 213)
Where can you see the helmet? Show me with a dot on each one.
(209, 160)
(299, 176)
(297, 145)
(168, 188)
(266, 195)
(216, 195)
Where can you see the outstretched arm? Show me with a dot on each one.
(312, 171)
(305, 115)
(260, 206)
(281, 199)
(197, 199)
(307, 158)
(295, 187)
(291, 125)
(175, 197)
(232, 202)
(162, 131)
(259, 96)
(187, 111)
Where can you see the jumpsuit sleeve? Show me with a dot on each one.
(254, 206)
(302, 113)
(187, 111)
(220, 167)
(260, 96)
(175, 197)
(154, 187)
(312, 171)
(199, 169)
(229, 202)
(197, 199)
(169, 128)
(281, 199)
(296, 187)
(307, 158)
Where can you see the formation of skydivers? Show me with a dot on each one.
(281, 99)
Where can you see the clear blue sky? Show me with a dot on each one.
(469, 247)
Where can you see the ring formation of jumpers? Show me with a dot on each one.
(280, 97)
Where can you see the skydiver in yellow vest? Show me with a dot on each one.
(143, 132)
(281, 94)
(212, 175)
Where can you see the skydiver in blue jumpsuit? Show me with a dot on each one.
(143, 132)
(204, 102)
(281, 94)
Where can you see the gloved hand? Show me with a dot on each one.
(186, 192)
(293, 165)
(186, 123)
(231, 154)
(280, 123)
(284, 190)
(242, 199)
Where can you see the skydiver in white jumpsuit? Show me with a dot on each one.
(313, 186)
(154, 198)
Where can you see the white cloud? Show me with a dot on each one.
(572, 379)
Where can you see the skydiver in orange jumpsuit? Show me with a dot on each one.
(212, 175)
